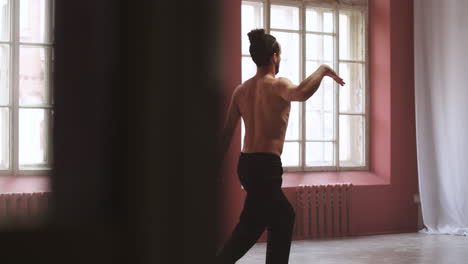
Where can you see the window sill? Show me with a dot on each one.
(294, 179)
(24, 184)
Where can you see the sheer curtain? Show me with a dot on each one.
(441, 92)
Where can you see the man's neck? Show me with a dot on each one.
(266, 70)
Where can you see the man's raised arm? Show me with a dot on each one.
(307, 87)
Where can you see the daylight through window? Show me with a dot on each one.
(26, 103)
(329, 131)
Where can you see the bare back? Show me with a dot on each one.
(264, 102)
(265, 115)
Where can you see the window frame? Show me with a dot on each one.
(336, 7)
(13, 105)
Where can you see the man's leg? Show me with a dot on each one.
(280, 228)
(248, 230)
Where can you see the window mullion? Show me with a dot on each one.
(353, 114)
(320, 33)
(15, 89)
(267, 15)
(286, 30)
(36, 44)
(302, 121)
(48, 78)
(47, 22)
(11, 67)
(320, 140)
(366, 94)
(352, 61)
(336, 66)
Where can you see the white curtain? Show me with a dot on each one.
(441, 94)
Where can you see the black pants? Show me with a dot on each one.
(265, 206)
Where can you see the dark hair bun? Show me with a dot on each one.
(256, 36)
(262, 46)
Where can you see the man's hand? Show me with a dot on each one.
(331, 73)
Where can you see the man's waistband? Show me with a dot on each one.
(260, 154)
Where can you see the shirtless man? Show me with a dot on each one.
(264, 102)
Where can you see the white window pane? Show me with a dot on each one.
(328, 22)
(311, 67)
(328, 88)
(33, 75)
(320, 154)
(315, 102)
(4, 138)
(292, 132)
(4, 74)
(290, 155)
(314, 124)
(248, 68)
(252, 18)
(284, 17)
(4, 20)
(319, 48)
(352, 95)
(319, 20)
(323, 98)
(352, 140)
(289, 65)
(319, 125)
(352, 34)
(320, 113)
(33, 21)
(33, 137)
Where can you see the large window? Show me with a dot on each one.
(26, 103)
(329, 131)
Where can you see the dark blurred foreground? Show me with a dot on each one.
(136, 92)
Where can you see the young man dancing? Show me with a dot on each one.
(264, 102)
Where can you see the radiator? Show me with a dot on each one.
(18, 209)
(322, 211)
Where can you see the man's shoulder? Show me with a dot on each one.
(282, 82)
(238, 89)
(244, 86)
(237, 92)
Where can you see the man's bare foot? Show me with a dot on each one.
(331, 73)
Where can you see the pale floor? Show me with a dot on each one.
(408, 248)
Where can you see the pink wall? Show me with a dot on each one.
(232, 194)
(24, 184)
(382, 199)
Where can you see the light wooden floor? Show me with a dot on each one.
(408, 248)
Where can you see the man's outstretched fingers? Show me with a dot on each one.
(339, 80)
